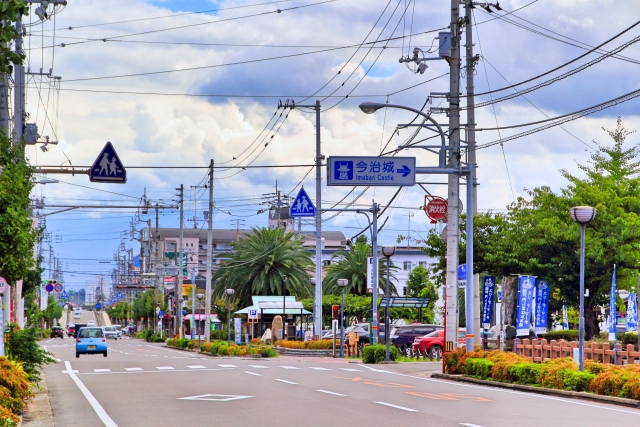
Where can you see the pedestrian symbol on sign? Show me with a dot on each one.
(108, 167)
(302, 205)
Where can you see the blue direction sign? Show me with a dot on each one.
(119, 296)
(108, 167)
(98, 306)
(462, 272)
(302, 205)
(374, 171)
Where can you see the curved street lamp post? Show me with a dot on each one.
(388, 252)
(284, 292)
(582, 215)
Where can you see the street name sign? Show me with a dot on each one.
(302, 206)
(373, 171)
(108, 167)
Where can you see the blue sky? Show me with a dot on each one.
(177, 130)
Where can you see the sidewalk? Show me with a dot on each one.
(38, 412)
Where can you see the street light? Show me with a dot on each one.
(582, 215)
(284, 313)
(388, 252)
(229, 292)
(342, 283)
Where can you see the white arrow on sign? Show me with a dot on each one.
(216, 397)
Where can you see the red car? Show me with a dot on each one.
(432, 344)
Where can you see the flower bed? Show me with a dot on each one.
(562, 374)
(221, 348)
(15, 388)
(309, 345)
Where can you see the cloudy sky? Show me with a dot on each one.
(176, 83)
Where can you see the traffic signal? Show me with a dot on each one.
(335, 312)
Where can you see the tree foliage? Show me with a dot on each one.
(351, 264)
(537, 236)
(259, 263)
(52, 312)
(9, 10)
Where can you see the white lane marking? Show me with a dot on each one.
(133, 369)
(102, 370)
(215, 397)
(100, 412)
(375, 370)
(470, 425)
(288, 367)
(259, 366)
(45, 348)
(285, 381)
(57, 360)
(197, 367)
(228, 366)
(321, 369)
(165, 368)
(350, 369)
(252, 373)
(74, 371)
(50, 340)
(396, 406)
(498, 390)
(330, 392)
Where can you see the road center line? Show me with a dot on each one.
(396, 406)
(100, 412)
(330, 392)
(285, 381)
(470, 425)
(252, 373)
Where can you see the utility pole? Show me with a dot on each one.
(317, 303)
(207, 321)
(471, 149)
(19, 88)
(178, 286)
(409, 215)
(453, 191)
(4, 101)
(158, 281)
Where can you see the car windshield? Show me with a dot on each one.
(90, 333)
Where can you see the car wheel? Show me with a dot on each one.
(77, 354)
(104, 354)
(436, 352)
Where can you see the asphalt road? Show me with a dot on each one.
(141, 384)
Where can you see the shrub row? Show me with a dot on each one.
(15, 388)
(377, 353)
(221, 348)
(560, 374)
(309, 345)
(567, 334)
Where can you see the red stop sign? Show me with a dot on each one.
(436, 209)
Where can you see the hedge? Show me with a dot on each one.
(563, 374)
(15, 388)
(309, 345)
(221, 348)
(566, 334)
(377, 353)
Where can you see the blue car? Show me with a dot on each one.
(91, 340)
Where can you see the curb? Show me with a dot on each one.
(546, 391)
(38, 412)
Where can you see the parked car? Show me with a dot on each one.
(56, 331)
(77, 328)
(110, 332)
(91, 340)
(403, 336)
(70, 328)
(432, 344)
(119, 330)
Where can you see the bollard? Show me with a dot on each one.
(245, 352)
(259, 350)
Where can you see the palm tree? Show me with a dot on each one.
(352, 265)
(259, 262)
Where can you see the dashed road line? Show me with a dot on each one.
(330, 392)
(259, 366)
(228, 366)
(197, 367)
(102, 370)
(397, 406)
(102, 414)
(470, 425)
(165, 368)
(252, 373)
(285, 381)
(320, 369)
(133, 369)
(349, 369)
(288, 367)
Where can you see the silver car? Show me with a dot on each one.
(119, 330)
(110, 332)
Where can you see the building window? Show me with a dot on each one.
(422, 264)
(404, 291)
(326, 263)
(407, 265)
(170, 246)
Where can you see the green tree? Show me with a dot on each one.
(420, 285)
(259, 262)
(9, 10)
(351, 264)
(53, 311)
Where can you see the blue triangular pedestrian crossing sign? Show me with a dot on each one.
(119, 296)
(108, 167)
(64, 295)
(302, 205)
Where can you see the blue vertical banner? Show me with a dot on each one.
(613, 318)
(565, 318)
(542, 308)
(489, 286)
(526, 287)
(632, 313)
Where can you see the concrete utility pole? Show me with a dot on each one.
(207, 321)
(317, 303)
(4, 102)
(471, 145)
(178, 286)
(453, 191)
